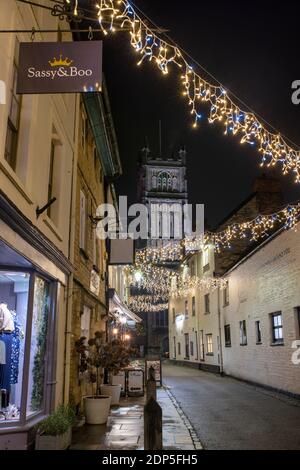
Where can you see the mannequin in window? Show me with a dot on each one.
(7, 329)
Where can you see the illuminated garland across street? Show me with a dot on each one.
(259, 227)
(198, 91)
(161, 282)
(138, 306)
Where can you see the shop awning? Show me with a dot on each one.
(117, 307)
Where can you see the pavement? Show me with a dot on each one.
(125, 427)
(230, 414)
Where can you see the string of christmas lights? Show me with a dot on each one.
(246, 125)
(138, 306)
(259, 227)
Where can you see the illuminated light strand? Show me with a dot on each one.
(259, 227)
(198, 91)
(255, 229)
(138, 306)
(150, 298)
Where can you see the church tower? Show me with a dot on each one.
(162, 184)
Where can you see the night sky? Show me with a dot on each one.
(253, 49)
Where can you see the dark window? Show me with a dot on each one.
(277, 331)
(192, 348)
(187, 349)
(13, 123)
(206, 304)
(174, 346)
(258, 332)
(161, 319)
(227, 336)
(186, 309)
(193, 306)
(196, 338)
(179, 349)
(174, 314)
(243, 333)
(298, 322)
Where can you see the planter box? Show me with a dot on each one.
(61, 442)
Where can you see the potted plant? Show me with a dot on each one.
(116, 355)
(96, 406)
(55, 432)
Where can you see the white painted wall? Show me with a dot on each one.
(202, 321)
(267, 282)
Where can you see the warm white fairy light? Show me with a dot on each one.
(198, 91)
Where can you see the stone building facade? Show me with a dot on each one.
(97, 166)
(161, 185)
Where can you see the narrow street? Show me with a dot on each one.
(228, 414)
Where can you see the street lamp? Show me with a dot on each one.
(127, 337)
(115, 331)
(138, 276)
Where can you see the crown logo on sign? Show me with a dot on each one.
(61, 62)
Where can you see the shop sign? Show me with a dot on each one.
(60, 67)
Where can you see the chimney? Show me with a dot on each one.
(269, 194)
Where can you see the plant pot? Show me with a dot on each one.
(114, 391)
(60, 442)
(97, 409)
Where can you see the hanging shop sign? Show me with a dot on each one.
(60, 67)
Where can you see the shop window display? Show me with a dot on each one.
(14, 288)
(36, 383)
(23, 345)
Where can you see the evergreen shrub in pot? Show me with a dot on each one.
(55, 431)
(96, 406)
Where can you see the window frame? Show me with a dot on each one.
(13, 128)
(209, 344)
(83, 221)
(193, 306)
(226, 296)
(50, 355)
(227, 338)
(206, 304)
(258, 336)
(243, 333)
(274, 328)
(186, 309)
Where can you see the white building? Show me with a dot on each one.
(262, 318)
(194, 321)
(251, 329)
(37, 161)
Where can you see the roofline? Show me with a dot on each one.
(255, 250)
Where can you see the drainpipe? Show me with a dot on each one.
(69, 300)
(220, 333)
